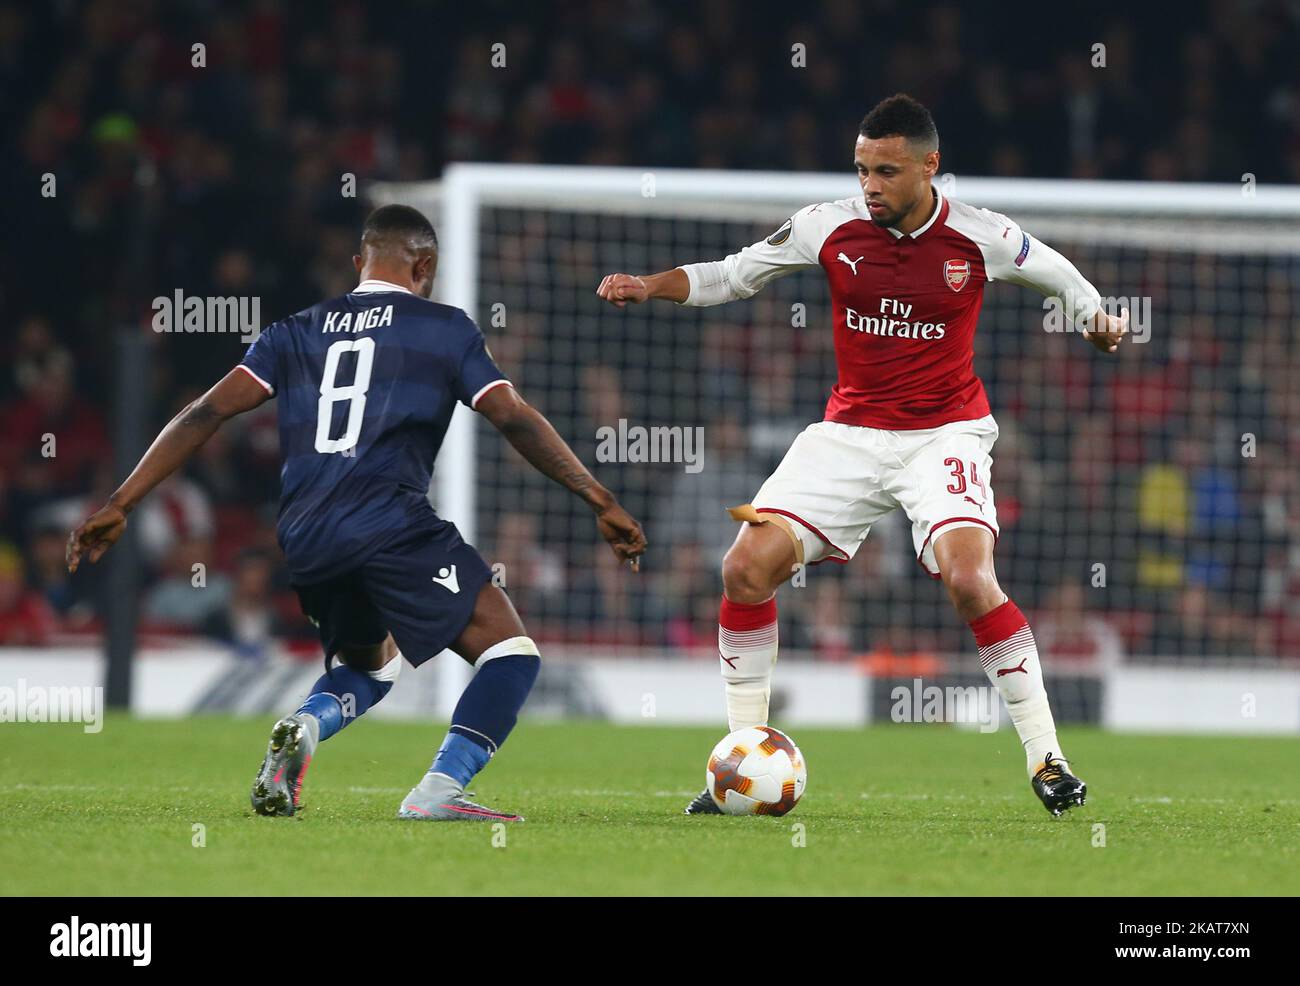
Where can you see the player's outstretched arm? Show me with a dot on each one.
(1040, 267)
(739, 275)
(184, 435)
(536, 440)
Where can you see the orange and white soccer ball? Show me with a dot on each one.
(756, 771)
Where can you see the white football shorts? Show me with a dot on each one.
(837, 480)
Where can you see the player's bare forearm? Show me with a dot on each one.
(537, 441)
(186, 433)
(620, 289)
(181, 438)
(1040, 267)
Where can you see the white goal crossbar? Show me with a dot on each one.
(1228, 218)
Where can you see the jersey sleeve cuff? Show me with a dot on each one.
(269, 389)
(483, 390)
(692, 284)
(710, 284)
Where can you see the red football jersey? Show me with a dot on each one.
(904, 306)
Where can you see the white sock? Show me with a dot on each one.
(438, 785)
(313, 727)
(1010, 659)
(747, 643)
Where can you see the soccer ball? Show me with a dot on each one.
(756, 771)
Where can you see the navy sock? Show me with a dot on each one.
(485, 714)
(341, 695)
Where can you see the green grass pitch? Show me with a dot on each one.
(889, 810)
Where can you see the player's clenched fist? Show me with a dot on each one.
(619, 289)
(1106, 331)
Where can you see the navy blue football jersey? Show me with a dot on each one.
(365, 385)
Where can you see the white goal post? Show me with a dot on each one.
(1125, 236)
(455, 202)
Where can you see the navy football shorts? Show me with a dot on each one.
(422, 591)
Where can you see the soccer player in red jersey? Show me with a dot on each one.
(907, 424)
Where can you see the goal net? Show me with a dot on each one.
(1148, 503)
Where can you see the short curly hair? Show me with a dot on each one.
(901, 116)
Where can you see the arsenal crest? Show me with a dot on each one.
(956, 273)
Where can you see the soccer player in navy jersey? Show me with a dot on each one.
(367, 384)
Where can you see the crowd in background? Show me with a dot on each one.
(1147, 502)
(137, 164)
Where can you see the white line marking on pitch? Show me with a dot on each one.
(902, 796)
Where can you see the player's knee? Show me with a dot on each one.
(367, 660)
(973, 589)
(743, 577)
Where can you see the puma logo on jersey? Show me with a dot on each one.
(853, 264)
(446, 578)
(978, 505)
(1019, 667)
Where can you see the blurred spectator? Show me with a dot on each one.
(1136, 462)
(604, 605)
(249, 621)
(68, 596)
(53, 436)
(694, 511)
(532, 574)
(37, 356)
(1202, 626)
(26, 619)
(189, 591)
(1072, 639)
(827, 627)
(178, 510)
(686, 587)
